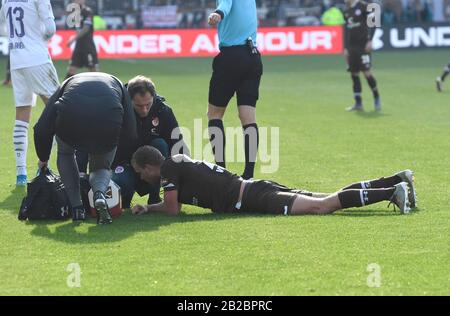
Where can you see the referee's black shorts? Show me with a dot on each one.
(235, 70)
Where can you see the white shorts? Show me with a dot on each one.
(30, 82)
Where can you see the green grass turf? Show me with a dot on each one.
(322, 148)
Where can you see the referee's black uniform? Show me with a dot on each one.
(237, 69)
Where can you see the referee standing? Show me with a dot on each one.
(236, 69)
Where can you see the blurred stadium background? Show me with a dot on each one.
(122, 27)
(134, 14)
(174, 28)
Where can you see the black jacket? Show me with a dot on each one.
(91, 112)
(159, 123)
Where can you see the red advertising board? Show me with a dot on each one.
(200, 43)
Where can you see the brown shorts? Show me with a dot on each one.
(267, 197)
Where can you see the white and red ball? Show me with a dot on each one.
(113, 199)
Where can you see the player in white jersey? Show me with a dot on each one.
(30, 24)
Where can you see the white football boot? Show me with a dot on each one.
(400, 198)
(408, 177)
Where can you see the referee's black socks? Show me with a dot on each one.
(251, 143)
(218, 141)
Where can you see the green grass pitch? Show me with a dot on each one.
(322, 148)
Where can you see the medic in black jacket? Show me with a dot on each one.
(156, 127)
(159, 123)
(90, 112)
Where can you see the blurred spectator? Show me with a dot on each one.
(99, 23)
(393, 11)
(333, 16)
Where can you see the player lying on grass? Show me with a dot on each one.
(199, 183)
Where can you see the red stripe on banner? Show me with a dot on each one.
(201, 43)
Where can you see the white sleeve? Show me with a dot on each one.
(45, 12)
(2, 17)
(3, 30)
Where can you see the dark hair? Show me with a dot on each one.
(147, 155)
(141, 85)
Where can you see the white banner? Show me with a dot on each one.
(412, 37)
(161, 16)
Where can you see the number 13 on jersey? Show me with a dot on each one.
(16, 25)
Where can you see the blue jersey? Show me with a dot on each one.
(239, 22)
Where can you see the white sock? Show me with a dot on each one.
(20, 139)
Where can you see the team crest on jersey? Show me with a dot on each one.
(358, 12)
(119, 169)
(155, 121)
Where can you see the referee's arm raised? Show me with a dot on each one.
(221, 12)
